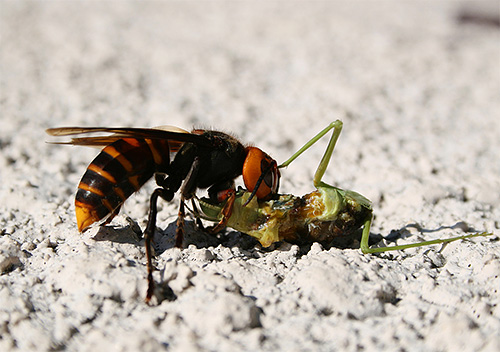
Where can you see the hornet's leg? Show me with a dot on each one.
(112, 215)
(179, 231)
(149, 232)
(224, 191)
(197, 213)
(187, 191)
(226, 211)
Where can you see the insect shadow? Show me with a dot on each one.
(230, 238)
(117, 234)
(164, 239)
(200, 238)
(405, 232)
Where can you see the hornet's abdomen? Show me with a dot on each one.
(119, 170)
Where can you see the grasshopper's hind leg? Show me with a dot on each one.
(366, 234)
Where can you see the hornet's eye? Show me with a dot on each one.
(260, 170)
(272, 175)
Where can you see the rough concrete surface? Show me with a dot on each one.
(417, 85)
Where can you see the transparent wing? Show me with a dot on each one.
(175, 135)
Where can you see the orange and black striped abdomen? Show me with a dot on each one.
(119, 170)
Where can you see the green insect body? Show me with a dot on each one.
(328, 215)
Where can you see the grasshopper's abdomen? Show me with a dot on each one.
(119, 170)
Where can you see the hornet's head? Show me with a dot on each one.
(260, 174)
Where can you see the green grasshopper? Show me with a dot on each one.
(325, 215)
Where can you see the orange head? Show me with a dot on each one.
(260, 174)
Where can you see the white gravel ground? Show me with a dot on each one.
(419, 94)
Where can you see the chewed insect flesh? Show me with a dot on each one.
(327, 215)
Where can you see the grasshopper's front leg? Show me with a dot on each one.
(323, 165)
